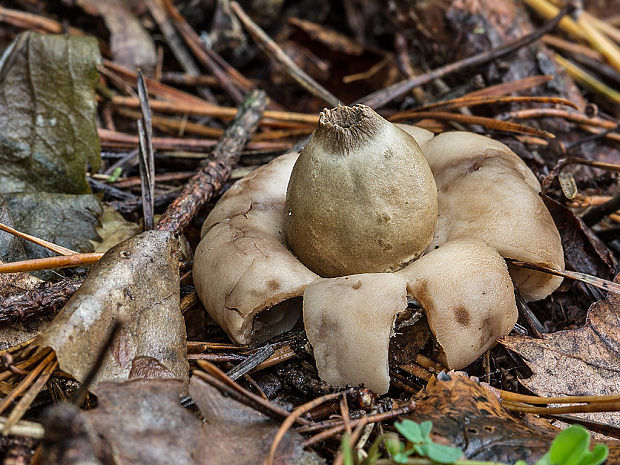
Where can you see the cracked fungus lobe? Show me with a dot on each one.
(248, 278)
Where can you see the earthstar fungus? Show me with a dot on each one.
(344, 224)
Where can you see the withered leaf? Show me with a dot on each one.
(136, 282)
(584, 251)
(143, 422)
(579, 362)
(113, 229)
(64, 219)
(47, 113)
(469, 415)
(228, 420)
(131, 46)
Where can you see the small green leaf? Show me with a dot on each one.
(392, 443)
(544, 460)
(570, 446)
(520, 462)
(402, 457)
(347, 451)
(373, 453)
(425, 428)
(440, 453)
(410, 430)
(597, 456)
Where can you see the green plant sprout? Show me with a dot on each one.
(570, 447)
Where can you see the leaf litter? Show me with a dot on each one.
(576, 362)
(137, 282)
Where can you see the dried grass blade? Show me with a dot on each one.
(147, 157)
(276, 53)
(295, 414)
(219, 375)
(27, 381)
(506, 88)
(475, 101)
(59, 249)
(65, 261)
(586, 278)
(587, 80)
(489, 123)
(559, 113)
(384, 96)
(22, 406)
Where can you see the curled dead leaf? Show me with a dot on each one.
(136, 282)
(580, 362)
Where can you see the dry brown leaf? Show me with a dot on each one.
(132, 47)
(113, 229)
(583, 250)
(578, 362)
(142, 422)
(136, 282)
(469, 415)
(240, 435)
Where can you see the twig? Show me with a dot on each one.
(64, 261)
(112, 139)
(481, 120)
(147, 158)
(537, 400)
(596, 214)
(275, 52)
(344, 413)
(186, 61)
(206, 109)
(475, 101)
(295, 414)
(526, 313)
(30, 361)
(512, 86)
(354, 436)
(188, 80)
(192, 40)
(572, 47)
(59, 249)
(25, 428)
(282, 354)
(251, 362)
(380, 98)
(232, 389)
(337, 427)
(582, 408)
(548, 180)
(583, 277)
(587, 80)
(558, 113)
(26, 382)
(111, 191)
(209, 180)
(24, 403)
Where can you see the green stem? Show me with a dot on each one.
(423, 461)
